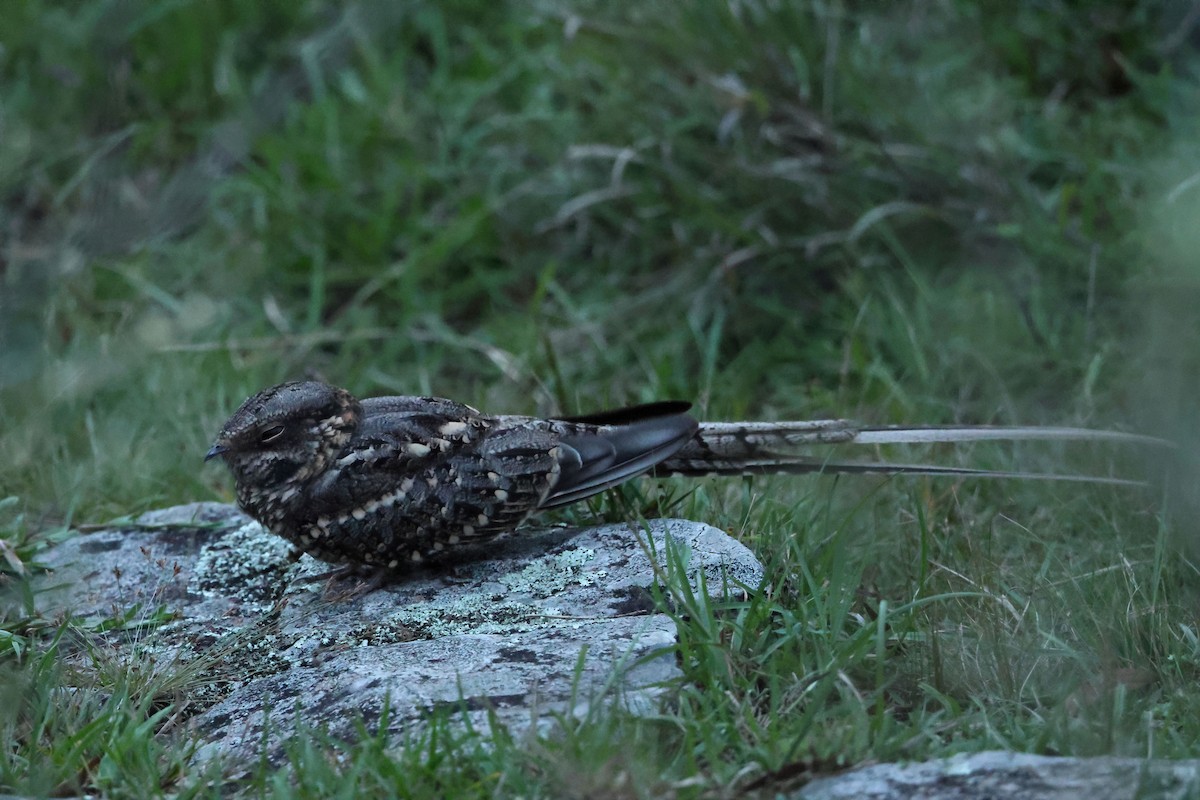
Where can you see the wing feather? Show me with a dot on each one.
(597, 457)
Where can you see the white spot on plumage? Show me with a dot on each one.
(416, 555)
(482, 519)
(347, 459)
(417, 449)
(452, 428)
(501, 495)
(358, 513)
(467, 529)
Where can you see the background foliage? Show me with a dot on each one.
(938, 211)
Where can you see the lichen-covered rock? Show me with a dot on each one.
(540, 623)
(973, 776)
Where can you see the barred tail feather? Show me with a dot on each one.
(720, 448)
(802, 466)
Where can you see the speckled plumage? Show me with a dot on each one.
(387, 481)
(393, 480)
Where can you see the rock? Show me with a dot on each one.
(974, 776)
(544, 622)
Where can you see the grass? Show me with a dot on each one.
(777, 210)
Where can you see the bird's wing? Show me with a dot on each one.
(603, 450)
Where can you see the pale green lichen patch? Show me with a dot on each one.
(550, 575)
(388, 631)
(490, 612)
(252, 653)
(248, 563)
(470, 613)
(219, 663)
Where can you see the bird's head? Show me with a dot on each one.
(286, 434)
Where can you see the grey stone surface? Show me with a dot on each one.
(545, 623)
(999, 774)
(542, 623)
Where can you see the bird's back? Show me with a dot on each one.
(424, 476)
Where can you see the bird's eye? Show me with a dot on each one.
(271, 434)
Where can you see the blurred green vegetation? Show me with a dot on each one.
(939, 211)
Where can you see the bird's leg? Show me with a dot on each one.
(367, 583)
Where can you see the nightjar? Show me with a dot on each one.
(386, 481)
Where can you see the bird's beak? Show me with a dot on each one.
(216, 450)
